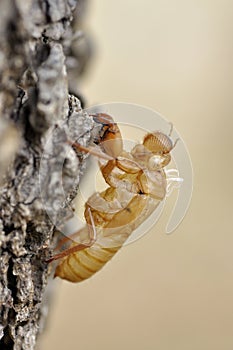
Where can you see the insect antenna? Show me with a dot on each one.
(175, 142)
(170, 133)
(171, 129)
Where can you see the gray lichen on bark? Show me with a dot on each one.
(39, 171)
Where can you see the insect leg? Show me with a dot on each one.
(91, 150)
(66, 239)
(80, 246)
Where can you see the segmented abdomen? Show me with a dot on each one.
(83, 264)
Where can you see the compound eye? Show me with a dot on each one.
(155, 162)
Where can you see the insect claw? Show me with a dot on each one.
(48, 261)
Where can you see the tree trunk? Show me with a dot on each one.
(39, 171)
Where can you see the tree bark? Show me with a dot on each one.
(39, 171)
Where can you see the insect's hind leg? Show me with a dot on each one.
(67, 239)
(80, 246)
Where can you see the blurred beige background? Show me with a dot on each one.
(164, 292)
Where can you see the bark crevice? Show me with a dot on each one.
(39, 171)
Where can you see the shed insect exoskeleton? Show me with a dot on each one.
(137, 185)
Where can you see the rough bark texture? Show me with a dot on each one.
(39, 171)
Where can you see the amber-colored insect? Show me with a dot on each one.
(137, 184)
